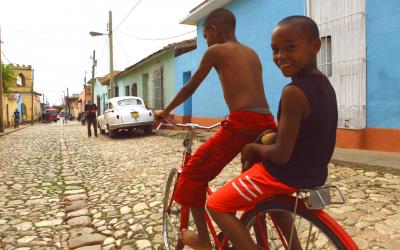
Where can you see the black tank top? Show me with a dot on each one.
(308, 165)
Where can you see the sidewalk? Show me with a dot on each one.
(363, 158)
(12, 129)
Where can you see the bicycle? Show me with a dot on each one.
(310, 225)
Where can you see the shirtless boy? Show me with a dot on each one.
(239, 70)
(307, 120)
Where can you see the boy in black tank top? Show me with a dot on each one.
(306, 136)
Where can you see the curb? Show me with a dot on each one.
(14, 130)
(201, 136)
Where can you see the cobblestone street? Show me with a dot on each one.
(60, 189)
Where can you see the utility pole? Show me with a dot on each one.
(110, 37)
(93, 67)
(67, 101)
(33, 79)
(112, 89)
(84, 92)
(1, 91)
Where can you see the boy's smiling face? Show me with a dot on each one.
(293, 51)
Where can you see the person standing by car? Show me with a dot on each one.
(17, 117)
(90, 110)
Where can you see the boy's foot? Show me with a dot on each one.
(191, 239)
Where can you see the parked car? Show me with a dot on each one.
(125, 113)
(51, 115)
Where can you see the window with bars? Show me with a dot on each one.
(134, 89)
(325, 56)
(127, 90)
(158, 88)
(343, 55)
(116, 91)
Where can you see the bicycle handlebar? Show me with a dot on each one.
(187, 125)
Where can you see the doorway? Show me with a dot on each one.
(187, 105)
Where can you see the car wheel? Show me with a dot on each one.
(148, 130)
(112, 133)
(102, 131)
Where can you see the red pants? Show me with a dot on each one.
(246, 190)
(240, 128)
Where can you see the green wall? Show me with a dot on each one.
(135, 75)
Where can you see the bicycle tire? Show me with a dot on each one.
(331, 231)
(171, 218)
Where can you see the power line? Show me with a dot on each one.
(18, 50)
(2, 52)
(156, 39)
(123, 49)
(102, 53)
(129, 13)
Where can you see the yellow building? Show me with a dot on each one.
(20, 97)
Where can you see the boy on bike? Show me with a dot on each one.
(240, 73)
(307, 120)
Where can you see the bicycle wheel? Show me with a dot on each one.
(175, 216)
(270, 226)
(171, 213)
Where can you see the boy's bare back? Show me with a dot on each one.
(240, 73)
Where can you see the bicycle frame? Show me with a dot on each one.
(259, 226)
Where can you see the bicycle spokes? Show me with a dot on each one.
(273, 231)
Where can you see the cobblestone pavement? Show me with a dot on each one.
(62, 190)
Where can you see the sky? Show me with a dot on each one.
(53, 37)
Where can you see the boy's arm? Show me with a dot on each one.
(294, 104)
(207, 62)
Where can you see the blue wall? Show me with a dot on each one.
(255, 21)
(383, 67)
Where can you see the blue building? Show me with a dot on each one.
(360, 41)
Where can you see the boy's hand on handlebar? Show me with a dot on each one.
(249, 157)
(161, 114)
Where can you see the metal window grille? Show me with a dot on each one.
(325, 56)
(127, 90)
(134, 89)
(342, 30)
(157, 103)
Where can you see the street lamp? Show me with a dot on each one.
(93, 33)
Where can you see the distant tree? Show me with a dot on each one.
(9, 75)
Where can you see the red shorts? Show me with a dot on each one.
(240, 128)
(246, 190)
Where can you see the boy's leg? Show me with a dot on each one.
(209, 160)
(89, 129)
(95, 127)
(201, 239)
(243, 193)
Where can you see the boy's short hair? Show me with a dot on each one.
(221, 17)
(306, 24)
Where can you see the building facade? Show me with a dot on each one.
(360, 41)
(21, 96)
(153, 78)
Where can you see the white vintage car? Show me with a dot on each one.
(126, 112)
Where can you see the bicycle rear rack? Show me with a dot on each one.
(319, 197)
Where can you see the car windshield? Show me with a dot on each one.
(51, 112)
(127, 102)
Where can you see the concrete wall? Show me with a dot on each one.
(255, 21)
(165, 60)
(101, 91)
(383, 53)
